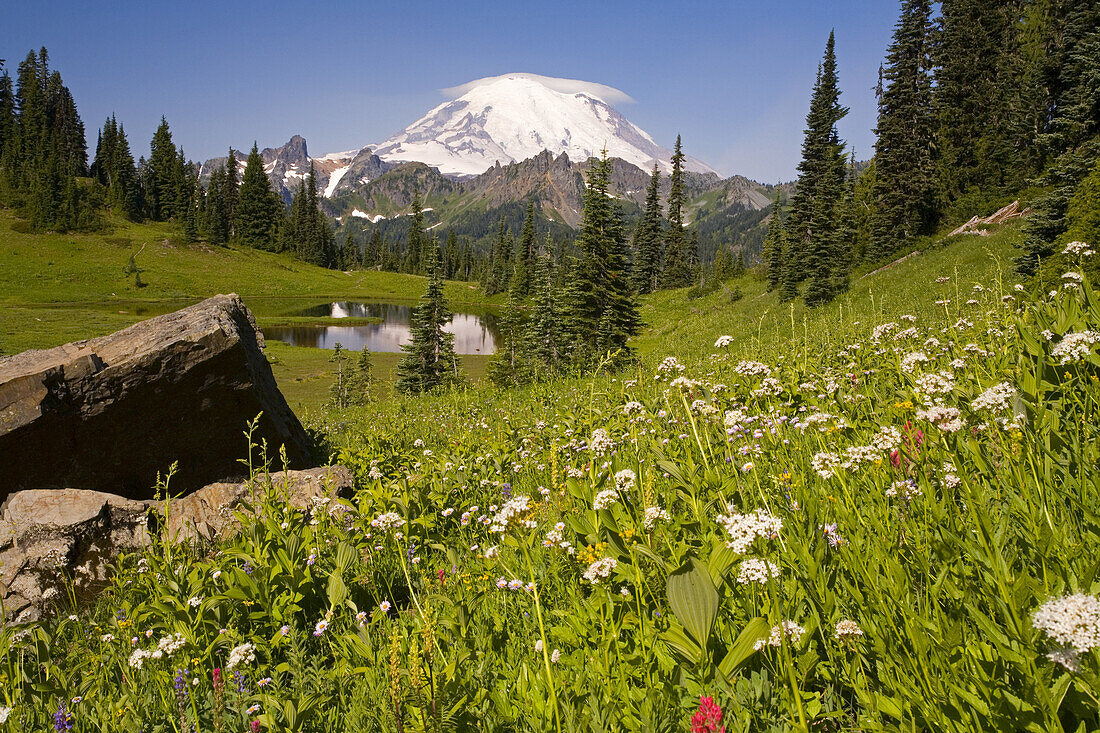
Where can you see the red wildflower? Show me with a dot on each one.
(708, 718)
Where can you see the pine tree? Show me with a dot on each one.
(544, 332)
(231, 190)
(216, 219)
(429, 361)
(813, 244)
(600, 309)
(509, 366)
(773, 246)
(905, 184)
(349, 253)
(677, 266)
(256, 213)
(646, 243)
(372, 258)
(525, 254)
(360, 381)
(161, 174)
(1072, 141)
(339, 394)
(414, 256)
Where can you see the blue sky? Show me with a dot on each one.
(733, 78)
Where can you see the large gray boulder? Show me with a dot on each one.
(53, 541)
(111, 413)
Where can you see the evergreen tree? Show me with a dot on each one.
(905, 183)
(349, 253)
(646, 243)
(600, 309)
(414, 256)
(509, 366)
(429, 361)
(544, 331)
(677, 266)
(373, 256)
(814, 248)
(216, 212)
(858, 212)
(525, 255)
(231, 190)
(162, 181)
(257, 210)
(339, 392)
(773, 246)
(1072, 141)
(360, 381)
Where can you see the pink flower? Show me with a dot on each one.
(708, 718)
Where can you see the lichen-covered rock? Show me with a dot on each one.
(54, 540)
(111, 413)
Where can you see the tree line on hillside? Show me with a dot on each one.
(986, 99)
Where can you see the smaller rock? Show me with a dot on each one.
(50, 536)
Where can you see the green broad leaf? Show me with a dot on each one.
(694, 599)
(743, 647)
(720, 561)
(681, 644)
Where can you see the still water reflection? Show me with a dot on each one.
(474, 334)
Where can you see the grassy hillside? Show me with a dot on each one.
(72, 268)
(869, 516)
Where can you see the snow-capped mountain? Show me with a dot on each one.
(509, 118)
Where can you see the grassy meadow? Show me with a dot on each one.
(878, 515)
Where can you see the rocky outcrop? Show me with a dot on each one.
(112, 413)
(56, 540)
(1000, 216)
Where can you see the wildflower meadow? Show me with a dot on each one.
(900, 532)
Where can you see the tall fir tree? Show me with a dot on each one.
(258, 210)
(773, 246)
(544, 330)
(429, 361)
(414, 254)
(676, 272)
(523, 261)
(905, 184)
(813, 250)
(162, 180)
(648, 235)
(509, 366)
(600, 310)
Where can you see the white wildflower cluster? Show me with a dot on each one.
(1075, 346)
(945, 418)
(601, 443)
(821, 420)
(878, 333)
(755, 570)
(825, 463)
(240, 655)
(733, 418)
(625, 479)
(1078, 248)
(847, 630)
(669, 368)
(166, 647)
(906, 335)
(510, 512)
(683, 383)
(1072, 279)
(600, 570)
(556, 538)
(633, 408)
(1072, 621)
(752, 369)
(654, 514)
(744, 529)
(723, 342)
(770, 386)
(950, 478)
(909, 361)
(605, 499)
(387, 521)
(995, 399)
(888, 438)
(787, 631)
(907, 489)
(703, 408)
(857, 455)
(935, 384)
